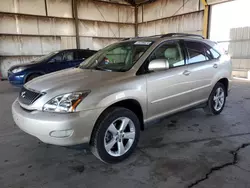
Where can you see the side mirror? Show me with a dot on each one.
(158, 64)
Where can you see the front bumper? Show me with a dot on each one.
(42, 124)
(15, 79)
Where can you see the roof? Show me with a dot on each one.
(74, 49)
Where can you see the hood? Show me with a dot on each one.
(74, 79)
(25, 65)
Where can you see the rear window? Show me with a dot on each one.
(215, 53)
(198, 52)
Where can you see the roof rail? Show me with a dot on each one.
(181, 35)
(124, 39)
(168, 35)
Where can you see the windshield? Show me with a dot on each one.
(45, 57)
(119, 57)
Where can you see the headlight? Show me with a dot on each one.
(66, 102)
(16, 70)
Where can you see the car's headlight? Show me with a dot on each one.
(16, 70)
(65, 102)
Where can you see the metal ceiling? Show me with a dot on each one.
(131, 2)
(139, 2)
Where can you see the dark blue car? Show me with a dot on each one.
(63, 59)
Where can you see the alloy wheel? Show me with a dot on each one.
(119, 136)
(219, 99)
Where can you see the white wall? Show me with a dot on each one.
(165, 16)
(188, 23)
(232, 30)
(27, 30)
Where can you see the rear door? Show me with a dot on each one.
(70, 59)
(54, 63)
(84, 54)
(203, 67)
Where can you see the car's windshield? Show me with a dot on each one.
(119, 57)
(46, 57)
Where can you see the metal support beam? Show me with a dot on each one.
(136, 21)
(206, 18)
(112, 2)
(75, 16)
(64, 18)
(46, 7)
(142, 13)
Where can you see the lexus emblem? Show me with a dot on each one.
(23, 94)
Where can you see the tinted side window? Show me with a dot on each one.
(215, 53)
(170, 51)
(57, 58)
(198, 52)
(84, 54)
(64, 56)
(68, 56)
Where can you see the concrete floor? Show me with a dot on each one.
(185, 150)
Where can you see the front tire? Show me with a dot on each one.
(217, 100)
(115, 135)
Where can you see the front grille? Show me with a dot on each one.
(27, 96)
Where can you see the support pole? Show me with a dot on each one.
(46, 7)
(206, 18)
(75, 16)
(136, 21)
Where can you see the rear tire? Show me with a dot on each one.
(31, 77)
(115, 135)
(217, 100)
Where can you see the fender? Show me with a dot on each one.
(30, 73)
(141, 98)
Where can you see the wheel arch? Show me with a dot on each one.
(131, 104)
(225, 82)
(31, 73)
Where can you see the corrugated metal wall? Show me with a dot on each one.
(165, 16)
(232, 30)
(30, 28)
(188, 23)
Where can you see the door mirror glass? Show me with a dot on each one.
(158, 64)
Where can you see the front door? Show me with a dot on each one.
(62, 60)
(168, 90)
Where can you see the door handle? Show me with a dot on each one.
(215, 66)
(186, 72)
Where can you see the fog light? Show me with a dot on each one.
(61, 134)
